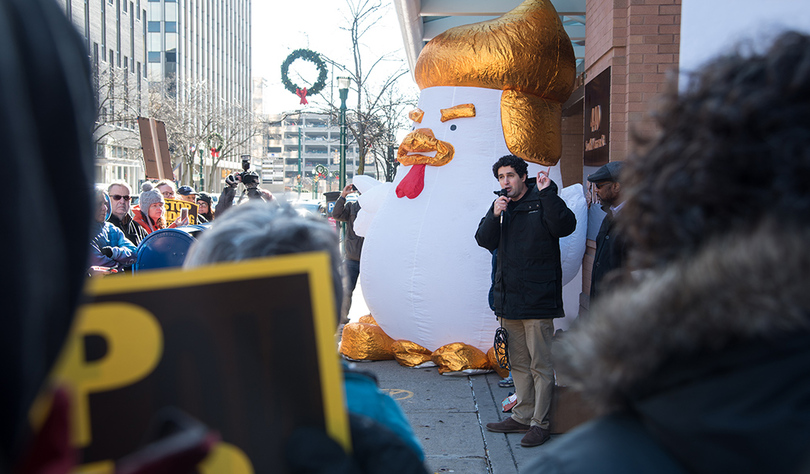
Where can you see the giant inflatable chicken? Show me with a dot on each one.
(488, 89)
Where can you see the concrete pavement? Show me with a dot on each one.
(449, 415)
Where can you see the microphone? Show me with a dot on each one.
(500, 193)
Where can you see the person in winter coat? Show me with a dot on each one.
(205, 208)
(525, 227)
(120, 213)
(150, 210)
(611, 249)
(702, 363)
(109, 247)
(353, 245)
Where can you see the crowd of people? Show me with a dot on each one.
(696, 356)
(137, 221)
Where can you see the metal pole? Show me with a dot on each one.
(342, 182)
(300, 174)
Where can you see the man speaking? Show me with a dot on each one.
(525, 226)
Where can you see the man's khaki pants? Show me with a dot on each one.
(529, 343)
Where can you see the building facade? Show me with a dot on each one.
(114, 33)
(199, 54)
(299, 144)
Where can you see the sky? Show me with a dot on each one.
(279, 28)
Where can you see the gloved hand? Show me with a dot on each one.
(232, 180)
(107, 251)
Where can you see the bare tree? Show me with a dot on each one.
(373, 122)
(120, 103)
(197, 121)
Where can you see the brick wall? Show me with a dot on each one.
(640, 41)
(573, 145)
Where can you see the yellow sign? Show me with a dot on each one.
(215, 342)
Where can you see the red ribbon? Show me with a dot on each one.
(214, 153)
(302, 93)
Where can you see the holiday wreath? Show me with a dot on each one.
(215, 144)
(312, 57)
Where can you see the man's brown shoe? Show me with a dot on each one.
(508, 425)
(535, 437)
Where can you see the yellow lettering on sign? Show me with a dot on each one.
(134, 348)
(101, 467)
(226, 458)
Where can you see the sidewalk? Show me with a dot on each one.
(449, 415)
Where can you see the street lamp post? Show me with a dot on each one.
(343, 89)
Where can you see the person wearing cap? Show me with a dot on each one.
(186, 193)
(610, 247)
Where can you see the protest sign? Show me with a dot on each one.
(173, 207)
(220, 343)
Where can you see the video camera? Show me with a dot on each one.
(249, 178)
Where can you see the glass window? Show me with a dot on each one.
(155, 12)
(153, 42)
(171, 57)
(171, 41)
(171, 12)
(153, 27)
(171, 27)
(154, 56)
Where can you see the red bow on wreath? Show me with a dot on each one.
(302, 93)
(214, 153)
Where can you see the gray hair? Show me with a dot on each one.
(260, 229)
(119, 183)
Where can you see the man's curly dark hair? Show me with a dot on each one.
(733, 153)
(520, 166)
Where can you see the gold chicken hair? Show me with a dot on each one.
(527, 54)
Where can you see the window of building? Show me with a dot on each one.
(153, 27)
(154, 56)
(171, 27)
(171, 57)
(125, 7)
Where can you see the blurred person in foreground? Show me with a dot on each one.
(46, 122)
(702, 364)
(120, 212)
(109, 247)
(382, 438)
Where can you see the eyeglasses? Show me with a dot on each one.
(118, 197)
(168, 195)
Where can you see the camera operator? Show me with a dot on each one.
(251, 191)
(525, 225)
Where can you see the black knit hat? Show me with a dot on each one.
(202, 196)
